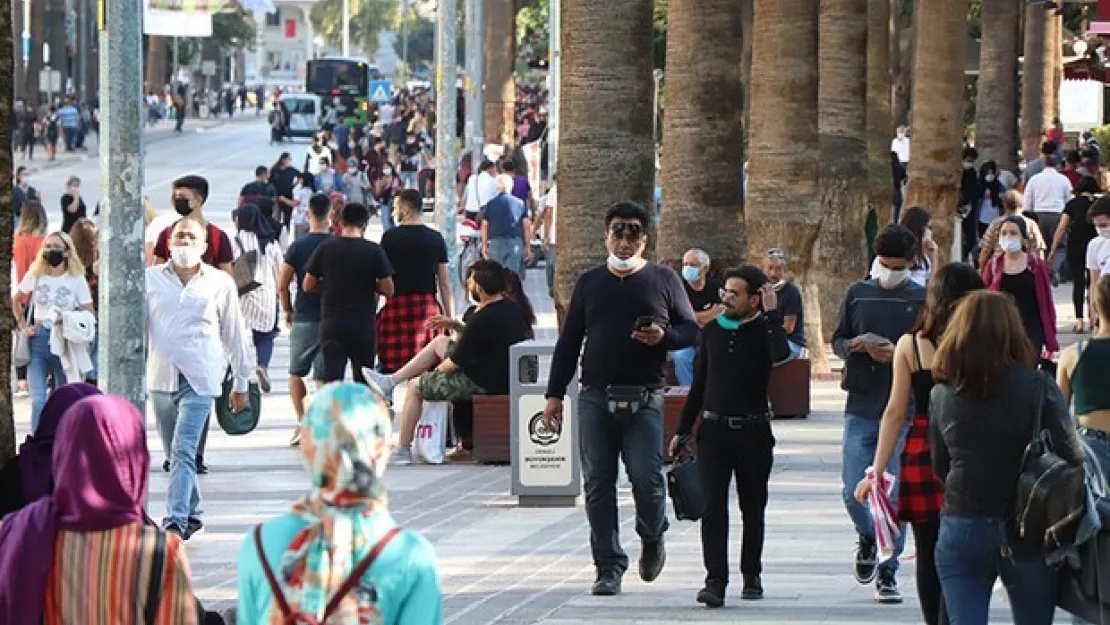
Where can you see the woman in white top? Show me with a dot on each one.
(56, 284)
(260, 306)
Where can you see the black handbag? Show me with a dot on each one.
(247, 270)
(1051, 493)
(684, 488)
(244, 421)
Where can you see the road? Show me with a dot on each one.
(501, 563)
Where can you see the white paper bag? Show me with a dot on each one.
(429, 443)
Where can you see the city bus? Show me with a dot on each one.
(345, 78)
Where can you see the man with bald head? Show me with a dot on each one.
(194, 324)
(506, 228)
(705, 297)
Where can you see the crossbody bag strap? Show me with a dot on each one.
(154, 585)
(360, 570)
(275, 587)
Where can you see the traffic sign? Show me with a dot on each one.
(381, 91)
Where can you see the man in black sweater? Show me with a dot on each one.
(735, 356)
(630, 313)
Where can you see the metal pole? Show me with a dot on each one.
(479, 81)
(49, 74)
(405, 40)
(346, 28)
(472, 87)
(555, 63)
(82, 50)
(446, 148)
(122, 360)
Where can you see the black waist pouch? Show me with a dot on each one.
(626, 401)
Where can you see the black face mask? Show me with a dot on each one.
(54, 257)
(181, 205)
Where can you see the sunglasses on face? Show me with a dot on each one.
(625, 230)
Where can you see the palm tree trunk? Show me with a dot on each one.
(842, 147)
(1056, 43)
(880, 124)
(1036, 95)
(7, 71)
(703, 133)
(606, 151)
(499, 53)
(996, 110)
(156, 51)
(782, 208)
(938, 104)
(901, 51)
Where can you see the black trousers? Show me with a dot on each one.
(747, 454)
(928, 584)
(338, 347)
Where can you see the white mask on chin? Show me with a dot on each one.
(186, 256)
(625, 265)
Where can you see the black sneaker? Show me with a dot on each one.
(202, 469)
(652, 558)
(607, 584)
(866, 560)
(175, 529)
(753, 588)
(166, 466)
(886, 589)
(713, 595)
(196, 526)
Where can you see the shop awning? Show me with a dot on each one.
(1100, 24)
(1084, 69)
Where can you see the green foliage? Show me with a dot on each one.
(1102, 133)
(975, 19)
(659, 32)
(422, 41)
(368, 18)
(230, 30)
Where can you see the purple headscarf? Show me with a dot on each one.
(100, 467)
(35, 453)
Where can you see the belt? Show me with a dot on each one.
(737, 422)
(1093, 433)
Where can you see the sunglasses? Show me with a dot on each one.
(625, 230)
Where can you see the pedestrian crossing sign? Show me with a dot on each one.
(381, 91)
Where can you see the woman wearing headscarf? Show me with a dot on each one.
(308, 558)
(255, 234)
(83, 555)
(29, 476)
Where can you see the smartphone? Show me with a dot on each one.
(644, 322)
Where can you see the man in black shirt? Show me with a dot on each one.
(258, 188)
(736, 354)
(704, 294)
(789, 298)
(351, 273)
(631, 313)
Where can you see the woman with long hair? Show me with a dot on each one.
(284, 177)
(989, 206)
(1082, 377)
(919, 492)
(25, 249)
(1080, 231)
(1024, 276)
(55, 284)
(86, 242)
(983, 409)
(260, 306)
(916, 219)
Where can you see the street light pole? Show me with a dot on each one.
(555, 63)
(405, 40)
(472, 87)
(346, 28)
(122, 306)
(479, 81)
(446, 148)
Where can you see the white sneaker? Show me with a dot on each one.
(383, 381)
(402, 457)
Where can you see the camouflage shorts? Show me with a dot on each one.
(447, 386)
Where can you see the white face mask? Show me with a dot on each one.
(989, 177)
(1009, 244)
(625, 265)
(1104, 232)
(889, 278)
(186, 256)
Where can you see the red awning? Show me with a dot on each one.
(1100, 24)
(1083, 69)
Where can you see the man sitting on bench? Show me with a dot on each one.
(478, 364)
(789, 302)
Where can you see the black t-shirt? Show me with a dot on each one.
(257, 189)
(1081, 231)
(1023, 287)
(284, 180)
(307, 306)
(482, 352)
(350, 269)
(707, 298)
(415, 252)
(790, 303)
(68, 218)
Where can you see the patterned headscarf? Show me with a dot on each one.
(345, 440)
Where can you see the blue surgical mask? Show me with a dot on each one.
(728, 323)
(690, 274)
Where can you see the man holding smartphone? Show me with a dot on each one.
(875, 313)
(630, 313)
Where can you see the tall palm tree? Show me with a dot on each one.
(995, 107)
(842, 146)
(606, 152)
(1036, 91)
(938, 104)
(1056, 50)
(901, 56)
(156, 50)
(499, 54)
(703, 133)
(7, 71)
(880, 123)
(782, 208)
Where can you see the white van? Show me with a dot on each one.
(305, 110)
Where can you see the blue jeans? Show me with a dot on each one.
(509, 252)
(42, 365)
(601, 441)
(969, 557)
(264, 346)
(409, 179)
(386, 213)
(181, 418)
(684, 364)
(861, 435)
(551, 258)
(94, 353)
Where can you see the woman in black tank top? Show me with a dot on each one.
(906, 455)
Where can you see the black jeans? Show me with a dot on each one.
(338, 346)
(1079, 279)
(748, 454)
(928, 584)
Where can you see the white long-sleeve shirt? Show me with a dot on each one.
(1047, 192)
(195, 330)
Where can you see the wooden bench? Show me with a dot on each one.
(491, 429)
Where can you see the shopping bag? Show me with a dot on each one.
(429, 443)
